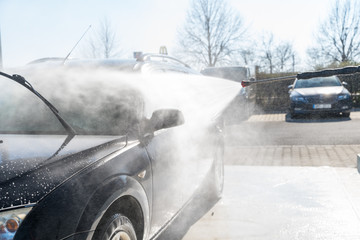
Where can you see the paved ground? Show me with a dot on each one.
(282, 203)
(311, 155)
(286, 191)
(261, 153)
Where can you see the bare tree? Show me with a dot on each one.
(316, 59)
(247, 55)
(267, 52)
(294, 61)
(285, 56)
(103, 43)
(338, 38)
(276, 56)
(212, 33)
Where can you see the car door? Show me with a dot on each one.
(170, 179)
(179, 165)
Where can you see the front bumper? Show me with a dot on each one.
(343, 106)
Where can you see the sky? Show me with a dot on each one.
(41, 28)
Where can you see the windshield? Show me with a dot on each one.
(318, 82)
(92, 109)
(23, 112)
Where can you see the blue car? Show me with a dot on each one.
(319, 95)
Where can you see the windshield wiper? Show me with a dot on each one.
(21, 80)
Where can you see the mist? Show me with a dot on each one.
(107, 102)
(201, 99)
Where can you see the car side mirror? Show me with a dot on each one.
(345, 83)
(166, 118)
(291, 88)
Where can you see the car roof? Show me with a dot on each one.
(121, 64)
(155, 63)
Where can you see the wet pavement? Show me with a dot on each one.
(286, 191)
(262, 202)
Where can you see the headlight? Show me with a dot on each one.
(298, 99)
(343, 96)
(10, 222)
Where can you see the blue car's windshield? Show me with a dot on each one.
(318, 82)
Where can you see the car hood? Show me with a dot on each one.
(319, 91)
(31, 166)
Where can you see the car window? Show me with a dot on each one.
(318, 82)
(23, 112)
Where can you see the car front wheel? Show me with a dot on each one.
(117, 227)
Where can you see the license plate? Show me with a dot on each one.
(321, 106)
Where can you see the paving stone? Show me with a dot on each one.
(293, 155)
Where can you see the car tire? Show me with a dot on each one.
(117, 226)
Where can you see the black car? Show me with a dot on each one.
(91, 158)
(319, 95)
